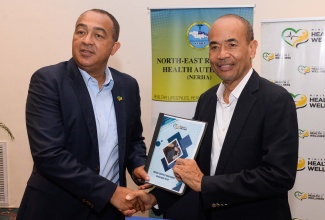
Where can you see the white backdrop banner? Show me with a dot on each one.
(293, 56)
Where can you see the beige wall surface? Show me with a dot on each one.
(38, 33)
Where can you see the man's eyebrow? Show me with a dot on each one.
(213, 42)
(232, 40)
(227, 41)
(81, 25)
(95, 28)
(100, 29)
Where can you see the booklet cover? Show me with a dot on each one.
(173, 138)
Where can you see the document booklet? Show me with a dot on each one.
(173, 138)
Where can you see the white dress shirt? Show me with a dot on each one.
(224, 112)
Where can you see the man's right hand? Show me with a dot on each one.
(122, 204)
(145, 201)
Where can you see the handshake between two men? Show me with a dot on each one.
(185, 170)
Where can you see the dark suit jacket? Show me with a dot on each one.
(258, 160)
(65, 181)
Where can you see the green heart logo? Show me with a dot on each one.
(268, 56)
(303, 133)
(295, 37)
(304, 69)
(300, 100)
(301, 69)
(300, 195)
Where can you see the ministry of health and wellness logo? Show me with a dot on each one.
(300, 195)
(197, 35)
(304, 69)
(268, 56)
(295, 37)
(300, 100)
(303, 133)
(311, 69)
(316, 165)
(313, 196)
(312, 134)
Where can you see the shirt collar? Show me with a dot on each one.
(239, 88)
(109, 82)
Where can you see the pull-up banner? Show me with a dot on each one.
(181, 69)
(180, 65)
(293, 56)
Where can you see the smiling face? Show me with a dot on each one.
(230, 52)
(93, 42)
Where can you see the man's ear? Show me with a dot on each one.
(115, 48)
(252, 47)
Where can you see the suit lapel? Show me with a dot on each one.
(120, 110)
(205, 149)
(82, 93)
(243, 107)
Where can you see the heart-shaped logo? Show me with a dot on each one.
(303, 133)
(300, 195)
(304, 69)
(268, 56)
(119, 98)
(295, 37)
(300, 100)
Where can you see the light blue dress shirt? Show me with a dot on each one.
(104, 110)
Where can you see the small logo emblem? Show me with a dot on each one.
(300, 100)
(300, 195)
(304, 69)
(268, 56)
(197, 35)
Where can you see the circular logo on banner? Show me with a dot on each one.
(197, 35)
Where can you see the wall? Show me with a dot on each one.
(37, 33)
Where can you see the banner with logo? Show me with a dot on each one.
(181, 70)
(293, 56)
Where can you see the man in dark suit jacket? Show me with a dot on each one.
(248, 158)
(66, 134)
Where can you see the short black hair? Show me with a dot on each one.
(116, 26)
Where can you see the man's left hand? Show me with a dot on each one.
(140, 175)
(189, 172)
